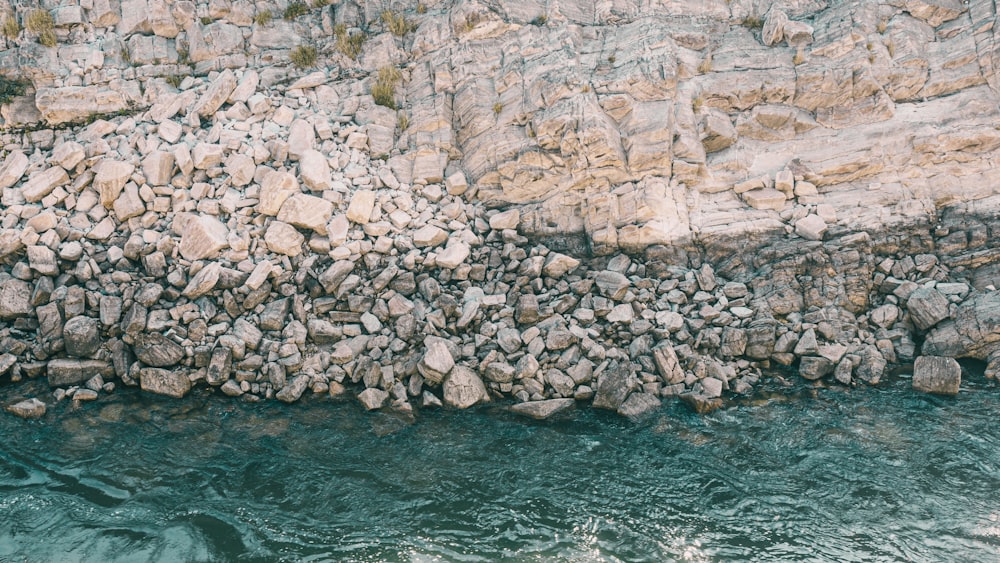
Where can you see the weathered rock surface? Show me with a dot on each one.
(172, 383)
(28, 408)
(936, 374)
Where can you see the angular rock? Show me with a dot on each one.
(172, 383)
(158, 168)
(361, 207)
(811, 227)
(28, 408)
(204, 237)
(75, 103)
(541, 410)
(65, 372)
(315, 171)
(293, 391)
(937, 374)
(558, 265)
(282, 238)
(82, 336)
(307, 212)
(41, 184)
(613, 387)
(156, 350)
(110, 179)
(436, 363)
(927, 307)
(454, 255)
(815, 367)
(13, 169)
(274, 190)
(216, 94)
(373, 398)
(639, 405)
(668, 365)
(15, 299)
(462, 388)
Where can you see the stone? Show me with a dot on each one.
(811, 227)
(541, 410)
(558, 265)
(429, 236)
(275, 189)
(937, 374)
(43, 260)
(15, 299)
(13, 168)
(373, 398)
(82, 336)
(206, 155)
(462, 388)
(315, 171)
(231, 388)
(282, 238)
(28, 408)
(76, 103)
(700, 403)
(718, 132)
(815, 367)
(499, 372)
(453, 255)
(506, 220)
(158, 168)
(307, 212)
(203, 282)
(613, 387)
(156, 350)
(301, 137)
(436, 363)
(63, 372)
(927, 307)
(85, 395)
(361, 207)
(110, 179)
(240, 168)
(766, 198)
(204, 237)
(639, 405)
(293, 390)
(172, 383)
(220, 366)
(41, 184)
(668, 365)
(612, 285)
(216, 94)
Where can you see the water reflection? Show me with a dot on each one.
(829, 474)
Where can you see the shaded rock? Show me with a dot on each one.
(28, 408)
(638, 405)
(82, 336)
(927, 307)
(463, 388)
(937, 374)
(274, 190)
(172, 383)
(541, 410)
(436, 363)
(154, 349)
(65, 372)
(373, 398)
(293, 390)
(613, 386)
(700, 403)
(815, 367)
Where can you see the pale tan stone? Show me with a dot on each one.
(274, 190)
(307, 212)
(282, 238)
(204, 237)
(361, 207)
(111, 178)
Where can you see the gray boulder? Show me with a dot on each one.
(937, 374)
(541, 410)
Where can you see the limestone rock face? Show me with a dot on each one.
(75, 103)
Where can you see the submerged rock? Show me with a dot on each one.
(541, 410)
(28, 408)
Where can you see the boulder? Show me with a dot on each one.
(28, 408)
(204, 237)
(613, 387)
(75, 103)
(361, 207)
(110, 179)
(293, 391)
(315, 171)
(82, 336)
(155, 349)
(282, 238)
(436, 362)
(274, 190)
(64, 372)
(541, 410)
(172, 383)
(815, 367)
(373, 398)
(307, 212)
(639, 405)
(937, 374)
(454, 255)
(15, 299)
(462, 388)
(927, 307)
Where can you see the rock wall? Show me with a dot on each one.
(183, 205)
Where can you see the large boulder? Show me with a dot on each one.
(157, 350)
(64, 372)
(613, 387)
(172, 383)
(28, 408)
(463, 388)
(543, 409)
(937, 374)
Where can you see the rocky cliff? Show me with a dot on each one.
(182, 178)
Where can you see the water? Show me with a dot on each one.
(833, 475)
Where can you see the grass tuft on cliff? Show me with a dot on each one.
(11, 88)
(396, 23)
(303, 56)
(11, 29)
(295, 9)
(41, 23)
(348, 43)
(384, 89)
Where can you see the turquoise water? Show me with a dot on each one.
(833, 475)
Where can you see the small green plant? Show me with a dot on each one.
(540, 20)
(396, 23)
(611, 59)
(11, 88)
(11, 29)
(263, 17)
(421, 8)
(348, 43)
(753, 22)
(697, 103)
(384, 89)
(295, 9)
(706, 64)
(321, 3)
(799, 58)
(303, 56)
(205, 20)
(403, 121)
(497, 108)
(48, 38)
(183, 57)
(174, 80)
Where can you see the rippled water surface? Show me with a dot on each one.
(866, 474)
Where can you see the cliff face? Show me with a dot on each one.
(633, 123)
(431, 200)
